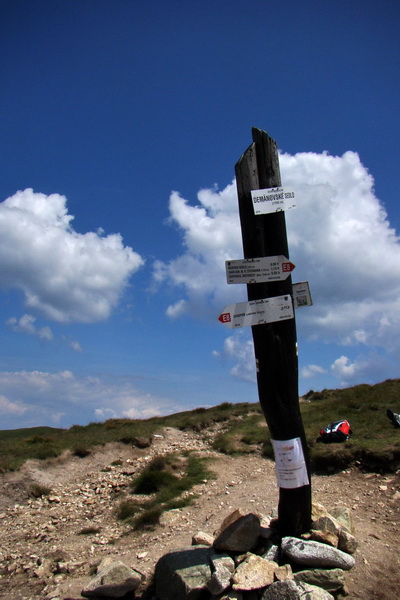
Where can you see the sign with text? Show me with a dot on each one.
(258, 270)
(257, 312)
(271, 200)
(290, 464)
(301, 294)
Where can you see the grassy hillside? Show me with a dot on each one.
(375, 443)
(28, 432)
(239, 428)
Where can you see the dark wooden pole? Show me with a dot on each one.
(274, 343)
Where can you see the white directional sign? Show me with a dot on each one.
(258, 270)
(257, 312)
(301, 294)
(271, 200)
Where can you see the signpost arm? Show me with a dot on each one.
(274, 343)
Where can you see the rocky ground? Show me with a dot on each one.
(51, 545)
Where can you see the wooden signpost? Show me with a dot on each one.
(264, 235)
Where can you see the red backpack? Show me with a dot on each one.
(339, 431)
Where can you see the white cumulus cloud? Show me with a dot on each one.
(345, 370)
(65, 275)
(26, 324)
(75, 346)
(11, 408)
(239, 348)
(211, 235)
(311, 370)
(340, 240)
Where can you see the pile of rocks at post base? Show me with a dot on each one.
(246, 560)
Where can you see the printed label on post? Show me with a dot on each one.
(290, 466)
(271, 200)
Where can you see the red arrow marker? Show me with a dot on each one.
(287, 267)
(225, 317)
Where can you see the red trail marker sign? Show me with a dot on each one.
(257, 312)
(253, 270)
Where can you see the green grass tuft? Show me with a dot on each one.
(81, 451)
(38, 490)
(89, 531)
(148, 518)
(127, 509)
(166, 479)
(245, 436)
(151, 482)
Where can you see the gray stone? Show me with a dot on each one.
(327, 523)
(344, 516)
(240, 536)
(115, 581)
(104, 563)
(271, 552)
(317, 510)
(283, 572)
(347, 542)
(254, 573)
(324, 536)
(221, 559)
(231, 595)
(43, 571)
(331, 580)
(219, 582)
(315, 554)
(170, 517)
(292, 590)
(233, 516)
(183, 574)
(202, 539)
(222, 567)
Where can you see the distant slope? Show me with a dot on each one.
(29, 432)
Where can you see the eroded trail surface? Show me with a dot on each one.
(50, 545)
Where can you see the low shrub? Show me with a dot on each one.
(242, 437)
(127, 509)
(38, 490)
(148, 518)
(44, 452)
(89, 531)
(151, 482)
(166, 479)
(81, 451)
(39, 439)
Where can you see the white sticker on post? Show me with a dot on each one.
(290, 465)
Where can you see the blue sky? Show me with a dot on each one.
(121, 123)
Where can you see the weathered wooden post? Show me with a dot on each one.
(264, 235)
